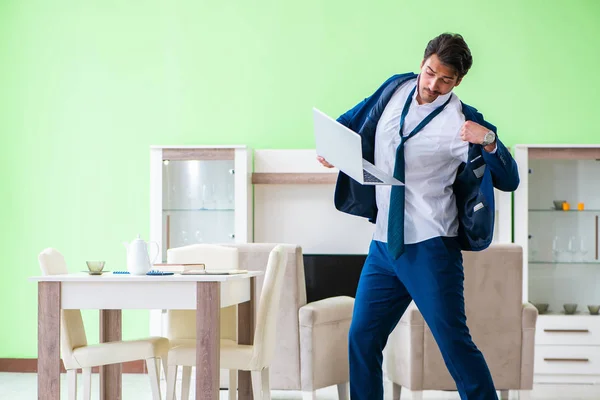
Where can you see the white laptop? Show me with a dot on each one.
(342, 148)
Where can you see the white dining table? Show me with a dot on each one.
(111, 293)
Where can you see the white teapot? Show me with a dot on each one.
(138, 260)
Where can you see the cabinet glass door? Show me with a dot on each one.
(198, 203)
(564, 265)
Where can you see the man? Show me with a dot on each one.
(450, 159)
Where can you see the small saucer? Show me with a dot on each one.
(96, 273)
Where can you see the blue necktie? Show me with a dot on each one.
(396, 214)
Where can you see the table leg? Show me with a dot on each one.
(49, 340)
(208, 338)
(246, 336)
(110, 375)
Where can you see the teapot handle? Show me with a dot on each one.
(157, 251)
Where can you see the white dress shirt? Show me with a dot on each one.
(432, 158)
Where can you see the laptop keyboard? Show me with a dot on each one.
(367, 177)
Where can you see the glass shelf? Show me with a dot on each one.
(566, 262)
(561, 211)
(577, 314)
(196, 209)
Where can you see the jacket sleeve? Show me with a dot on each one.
(503, 168)
(346, 118)
(505, 174)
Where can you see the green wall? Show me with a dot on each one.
(87, 86)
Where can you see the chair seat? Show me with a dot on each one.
(118, 352)
(233, 355)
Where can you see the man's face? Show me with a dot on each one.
(436, 79)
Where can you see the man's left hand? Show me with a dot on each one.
(474, 133)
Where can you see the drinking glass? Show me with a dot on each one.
(533, 252)
(208, 195)
(582, 248)
(557, 249)
(572, 248)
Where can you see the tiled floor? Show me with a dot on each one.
(136, 387)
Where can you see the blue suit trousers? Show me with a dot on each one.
(431, 274)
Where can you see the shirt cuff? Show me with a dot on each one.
(493, 151)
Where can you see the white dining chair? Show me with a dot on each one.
(76, 353)
(255, 358)
(181, 324)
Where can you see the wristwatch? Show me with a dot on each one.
(489, 138)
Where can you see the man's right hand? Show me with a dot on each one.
(324, 162)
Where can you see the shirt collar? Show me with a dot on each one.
(436, 103)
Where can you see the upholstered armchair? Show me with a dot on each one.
(501, 326)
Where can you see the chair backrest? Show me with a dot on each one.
(181, 324)
(268, 309)
(285, 366)
(494, 309)
(72, 331)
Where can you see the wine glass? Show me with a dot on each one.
(230, 194)
(582, 248)
(198, 236)
(572, 248)
(533, 252)
(557, 249)
(208, 195)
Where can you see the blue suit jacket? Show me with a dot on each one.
(475, 180)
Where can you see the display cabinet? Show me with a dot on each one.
(557, 208)
(198, 194)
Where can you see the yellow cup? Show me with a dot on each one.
(580, 206)
(566, 206)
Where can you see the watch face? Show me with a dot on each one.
(489, 138)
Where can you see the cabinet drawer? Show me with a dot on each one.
(567, 360)
(579, 330)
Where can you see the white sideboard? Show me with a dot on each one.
(293, 203)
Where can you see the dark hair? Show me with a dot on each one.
(452, 50)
